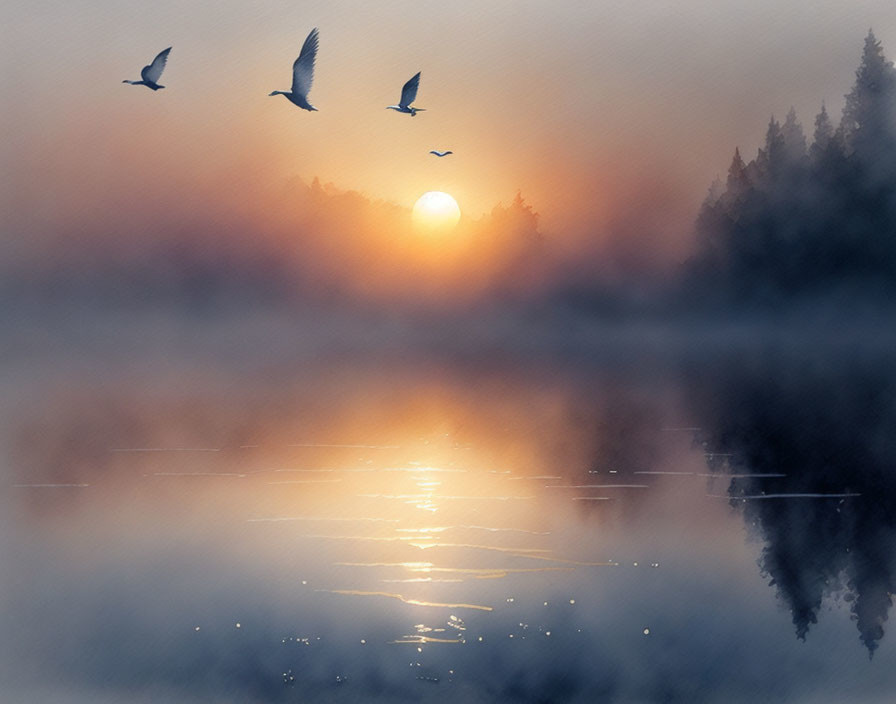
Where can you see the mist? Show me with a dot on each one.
(262, 438)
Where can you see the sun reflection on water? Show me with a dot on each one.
(342, 526)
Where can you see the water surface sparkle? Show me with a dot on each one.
(568, 535)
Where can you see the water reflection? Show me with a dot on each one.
(829, 521)
(540, 532)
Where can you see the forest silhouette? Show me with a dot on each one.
(804, 219)
(807, 222)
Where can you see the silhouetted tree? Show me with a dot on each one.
(516, 225)
(824, 133)
(770, 160)
(794, 138)
(738, 182)
(868, 113)
(715, 191)
(797, 221)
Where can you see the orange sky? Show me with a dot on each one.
(611, 118)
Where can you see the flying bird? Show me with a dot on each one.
(438, 153)
(408, 96)
(152, 73)
(302, 74)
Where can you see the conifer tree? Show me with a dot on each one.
(737, 182)
(824, 133)
(789, 225)
(772, 158)
(715, 192)
(869, 109)
(794, 137)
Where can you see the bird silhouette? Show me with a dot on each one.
(152, 73)
(302, 74)
(408, 96)
(440, 154)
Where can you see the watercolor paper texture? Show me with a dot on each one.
(448, 351)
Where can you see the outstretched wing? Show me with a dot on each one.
(409, 92)
(153, 72)
(303, 68)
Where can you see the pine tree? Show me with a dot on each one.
(794, 137)
(738, 182)
(788, 225)
(772, 158)
(824, 132)
(869, 109)
(715, 192)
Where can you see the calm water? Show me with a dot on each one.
(278, 511)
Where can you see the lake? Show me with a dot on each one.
(323, 508)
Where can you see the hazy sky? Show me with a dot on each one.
(609, 116)
(130, 563)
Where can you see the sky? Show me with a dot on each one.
(161, 465)
(611, 118)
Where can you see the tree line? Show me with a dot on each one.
(808, 219)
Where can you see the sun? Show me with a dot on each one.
(435, 210)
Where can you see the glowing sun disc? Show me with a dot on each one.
(436, 210)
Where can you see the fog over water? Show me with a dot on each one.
(265, 439)
(190, 514)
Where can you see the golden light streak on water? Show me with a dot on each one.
(417, 640)
(412, 602)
